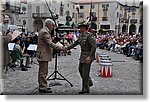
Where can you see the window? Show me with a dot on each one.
(54, 1)
(133, 9)
(61, 9)
(120, 8)
(68, 5)
(93, 6)
(81, 7)
(7, 5)
(105, 26)
(104, 12)
(81, 15)
(67, 13)
(120, 15)
(73, 15)
(117, 7)
(105, 9)
(105, 5)
(73, 6)
(117, 14)
(93, 14)
(133, 13)
(37, 9)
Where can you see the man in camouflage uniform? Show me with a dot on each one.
(88, 48)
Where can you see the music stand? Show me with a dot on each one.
(57, 72)
(33, 47)
(7, 67)
(11, 46)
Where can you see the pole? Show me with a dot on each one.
(119, 26)
(98, 17)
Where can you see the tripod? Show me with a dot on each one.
(57, 72)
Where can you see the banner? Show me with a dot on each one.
(23, 8)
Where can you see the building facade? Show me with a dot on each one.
(110, 14)
(60, 8)
(30, 14)
(11, 9)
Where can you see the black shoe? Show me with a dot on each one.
(83, 92)
(90, 85)
(69, 53)
(24, 69)
(45, 91)
(28, 66)
(48, 88)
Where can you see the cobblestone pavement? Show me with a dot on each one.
(127, 77)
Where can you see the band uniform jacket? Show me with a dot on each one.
(88, 46)
(45, 45)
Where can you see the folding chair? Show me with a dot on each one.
(15, 58)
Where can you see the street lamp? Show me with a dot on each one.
(119, 26)
(128, 21)
(23, 26)
(77, 7)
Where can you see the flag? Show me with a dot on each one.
(23, 8)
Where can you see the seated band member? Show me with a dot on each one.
(18, 48)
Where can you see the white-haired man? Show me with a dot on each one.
(44, 54)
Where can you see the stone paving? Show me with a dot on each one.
(127, 77)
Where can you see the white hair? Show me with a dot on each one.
(49, 21)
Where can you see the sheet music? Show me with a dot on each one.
(59, 44)
(32, 47)
(11, 46)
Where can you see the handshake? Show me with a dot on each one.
(63, 48)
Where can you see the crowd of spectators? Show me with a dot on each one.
(129, 45)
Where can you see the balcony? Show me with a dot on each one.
(44, 15)
(104, 19)
(11, 9)
(126, 20)
(122, 20)
(133, 21)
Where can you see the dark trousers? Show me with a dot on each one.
(27, 59)
(84, 70)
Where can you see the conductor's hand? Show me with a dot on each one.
(62, 48)
(88, 60)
